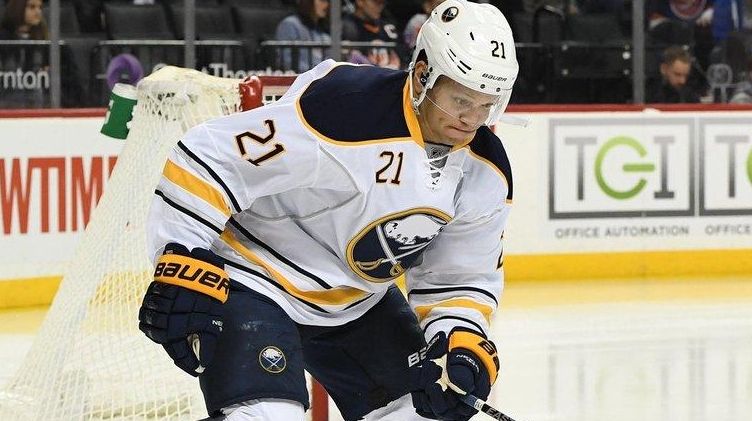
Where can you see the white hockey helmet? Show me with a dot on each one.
(471, 44)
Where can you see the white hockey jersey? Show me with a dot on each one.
(321, 199)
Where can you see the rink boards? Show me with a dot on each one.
(597, 194)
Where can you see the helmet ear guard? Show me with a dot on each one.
(471, 44)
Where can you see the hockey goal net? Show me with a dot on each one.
(89, 360)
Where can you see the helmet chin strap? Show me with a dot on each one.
(415, 101)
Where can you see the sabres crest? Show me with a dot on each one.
(272, 359)
(387, 247)
(449, 14)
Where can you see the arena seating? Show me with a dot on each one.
(69, 26)
(130, 21)
(563, 58)
(212, 22)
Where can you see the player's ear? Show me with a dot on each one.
(420, 77)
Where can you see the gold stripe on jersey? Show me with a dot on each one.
(334, 297)
(410, 118)
(196, 186)
(486, 310)
(494, 167)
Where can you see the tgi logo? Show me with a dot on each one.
(621, 168)
(725, 166)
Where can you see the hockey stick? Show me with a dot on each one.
(480, 405)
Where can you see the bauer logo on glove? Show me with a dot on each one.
(194, 274)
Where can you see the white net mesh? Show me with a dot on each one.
(89, 361)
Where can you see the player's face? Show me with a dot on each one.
(451, 113)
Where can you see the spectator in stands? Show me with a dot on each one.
(366, 24)
(666, 18)
(410, 34)
(308, 24)
(23, 20)
(672, 86)
(711, 18)
(399, 12)
(699, 12)
(728, 16)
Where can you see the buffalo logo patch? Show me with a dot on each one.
(449, 14)
(272, 359)
(387, 247)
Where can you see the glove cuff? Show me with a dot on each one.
(479, 346)
(195, 274)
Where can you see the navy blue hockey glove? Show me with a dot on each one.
(465, 359)
(182, 308)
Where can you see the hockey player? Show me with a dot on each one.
(277, 234)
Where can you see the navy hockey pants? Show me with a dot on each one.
(262, 353)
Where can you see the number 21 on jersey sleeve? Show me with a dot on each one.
(277, 148)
